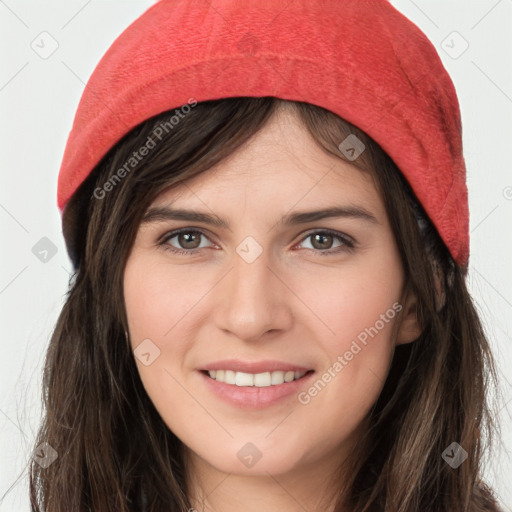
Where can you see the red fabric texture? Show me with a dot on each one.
(361, 59)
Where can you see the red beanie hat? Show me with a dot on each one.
(362, 60)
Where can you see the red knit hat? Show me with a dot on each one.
(362, 60)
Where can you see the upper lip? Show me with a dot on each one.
(268, 365)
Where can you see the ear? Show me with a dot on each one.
(409, 329)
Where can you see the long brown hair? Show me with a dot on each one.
(115, 453)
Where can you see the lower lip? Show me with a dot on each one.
(254, 397)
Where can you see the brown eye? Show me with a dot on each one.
(322, 242)
(189, 239)
(185, 241)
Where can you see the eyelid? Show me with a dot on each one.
(348, 242)
(187, 229)
(164, 239)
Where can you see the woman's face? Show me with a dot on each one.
(261, 287)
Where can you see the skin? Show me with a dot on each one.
(292, 303)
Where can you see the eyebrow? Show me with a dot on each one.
(163, 213)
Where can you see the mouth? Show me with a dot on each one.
(253, 385)
(256, 391)
(261, 380)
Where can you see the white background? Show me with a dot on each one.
(38, 99)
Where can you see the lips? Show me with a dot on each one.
(253, 397)
(263, 366)
(251, 389)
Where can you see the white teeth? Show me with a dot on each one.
(262, 379)
(277, 378)
(229, 377)
(255, 379)
(244, 379)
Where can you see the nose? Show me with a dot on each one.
(253, 299)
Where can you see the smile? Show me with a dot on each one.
(243, 392)
(264, 379)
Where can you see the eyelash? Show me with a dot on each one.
(348, 244)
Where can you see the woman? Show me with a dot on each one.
(269, 230)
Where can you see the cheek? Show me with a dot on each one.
(163, 305)
(348, 300)
(357, 311)
(158, 299)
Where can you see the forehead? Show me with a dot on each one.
(279, 167)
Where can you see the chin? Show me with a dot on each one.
(245, 458)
